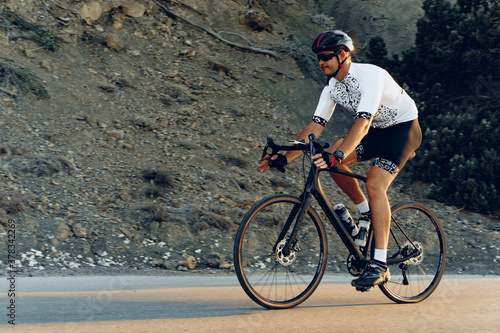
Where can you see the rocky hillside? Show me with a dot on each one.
(144, 156)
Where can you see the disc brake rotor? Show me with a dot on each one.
(282, 259)
(418, 246)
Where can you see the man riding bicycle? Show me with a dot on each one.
(386, 130)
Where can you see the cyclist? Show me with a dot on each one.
(385, 130)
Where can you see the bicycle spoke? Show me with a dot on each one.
(418, 249)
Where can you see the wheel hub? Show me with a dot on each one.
(283, 259)
(410, 248)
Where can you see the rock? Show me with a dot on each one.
(117, 24)
(169, 264)
(125, 231)
(79, 230)
(258, 21)
(154, 226)
(108, 7)
(226, 265)
(135, 53)
(46, 65)
(188, 262)
(63, 231)
(116, 134)
(91, 12)
(113, 42)
(215, 259)
(218, 66)
(156, 262)
(28, 53)
(135, 10)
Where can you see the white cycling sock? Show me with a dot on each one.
(380, 255)
(363, 207)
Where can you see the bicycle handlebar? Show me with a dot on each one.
(313, 147)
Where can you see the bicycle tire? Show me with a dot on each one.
(269, 280)
(415, 279)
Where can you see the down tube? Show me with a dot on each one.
(319, 194)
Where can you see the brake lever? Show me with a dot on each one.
(264, 152)
(295, 142)
(274, 148)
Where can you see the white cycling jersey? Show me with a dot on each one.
(367, 90)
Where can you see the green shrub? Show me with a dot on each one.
(12, 74)
(33, 32)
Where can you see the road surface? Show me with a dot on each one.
(197, 303)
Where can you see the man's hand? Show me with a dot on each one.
(264, 166)
(320, 162)
(279, 158)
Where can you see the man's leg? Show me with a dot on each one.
(349, 185)
(377, 184)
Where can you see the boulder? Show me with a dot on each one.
(135, 10)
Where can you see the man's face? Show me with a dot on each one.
(328, 61)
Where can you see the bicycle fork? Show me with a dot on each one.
(301, 211)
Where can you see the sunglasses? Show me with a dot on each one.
(327, 56)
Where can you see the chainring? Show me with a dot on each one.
(353, 266)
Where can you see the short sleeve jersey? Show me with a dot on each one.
(367, 90)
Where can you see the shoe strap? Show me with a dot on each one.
(378, 264)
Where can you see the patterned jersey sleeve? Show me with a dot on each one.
(325, 108)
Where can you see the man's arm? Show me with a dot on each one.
(349, 143)
(312, 127)
(355, 135)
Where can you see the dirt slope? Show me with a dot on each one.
(145, 153)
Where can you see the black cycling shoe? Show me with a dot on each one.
(372, 276)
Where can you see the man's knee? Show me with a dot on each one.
(378, 181)
(372, 187)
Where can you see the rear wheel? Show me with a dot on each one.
(416, 235)
(269, 276)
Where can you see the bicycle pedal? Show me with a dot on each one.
(364, 289)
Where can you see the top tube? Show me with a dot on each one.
(345, 173)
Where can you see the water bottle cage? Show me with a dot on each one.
(364, 225)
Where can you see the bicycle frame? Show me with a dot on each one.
(313, 189)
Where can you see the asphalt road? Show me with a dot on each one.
(197, 303)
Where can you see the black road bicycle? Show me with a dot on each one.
(280, 249)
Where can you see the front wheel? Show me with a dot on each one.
(269, 275)
(417, 236)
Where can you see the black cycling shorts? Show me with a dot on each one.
(390, 147)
